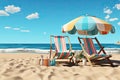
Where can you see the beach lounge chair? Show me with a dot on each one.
(61, 53)
(91, 54)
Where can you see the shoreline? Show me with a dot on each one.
(46, 51)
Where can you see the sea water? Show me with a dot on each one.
(44, 48)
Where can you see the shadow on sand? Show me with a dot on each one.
(103, 63)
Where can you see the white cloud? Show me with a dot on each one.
(33, 16)
(107, 10)
(25, 30)
(3, 13)
(7, 27)
(117, 6)
(113, 19)
(12, 9)
(118, 23)
(107, 16)
(16, 28)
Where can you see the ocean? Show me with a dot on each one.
(45, 48)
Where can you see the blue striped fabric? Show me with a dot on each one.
(60, 42)
(86, 23)
(89, 46)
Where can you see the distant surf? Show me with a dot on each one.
(45, 48)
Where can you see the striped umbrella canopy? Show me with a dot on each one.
(88, 25)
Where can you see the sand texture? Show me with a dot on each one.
(25, 66)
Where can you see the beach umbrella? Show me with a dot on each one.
(88, 25)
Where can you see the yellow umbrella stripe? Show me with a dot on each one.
(69, 26)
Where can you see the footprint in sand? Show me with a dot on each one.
(19, 65)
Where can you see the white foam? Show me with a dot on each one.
(112, 50)
(20, 50)
(29, 50)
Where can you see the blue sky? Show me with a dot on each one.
(33, 21)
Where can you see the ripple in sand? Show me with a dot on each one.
(103, 78)
(83, 78)
(14, 78)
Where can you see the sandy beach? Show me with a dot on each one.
(74, 31)
(25, 66)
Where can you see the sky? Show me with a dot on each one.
(33, 21)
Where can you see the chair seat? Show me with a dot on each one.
(64, 55)
(62, 60)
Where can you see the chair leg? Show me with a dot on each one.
(57, 63)
(110, 62)
(89, 61)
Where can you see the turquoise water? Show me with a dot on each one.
(47, 46)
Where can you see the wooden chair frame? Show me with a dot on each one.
(51, 50)
(101, 50)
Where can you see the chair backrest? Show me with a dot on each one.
(60, 43)
(61, 46)
(89, 46)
